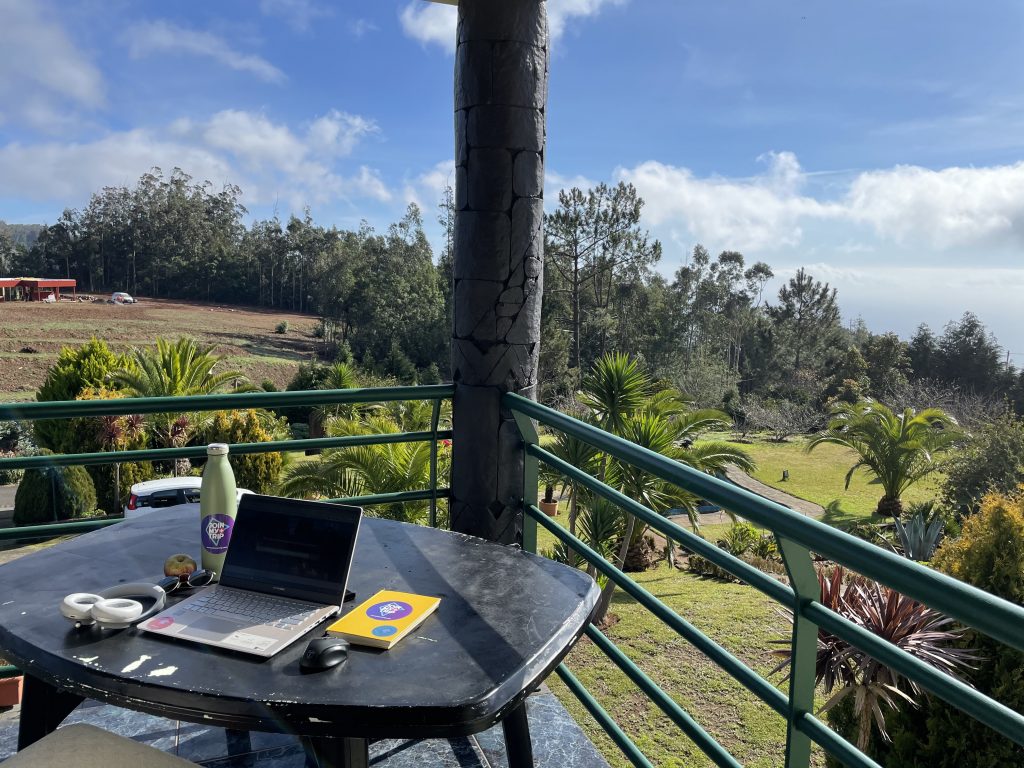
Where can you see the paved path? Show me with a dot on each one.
(7, 496)
(743, 480)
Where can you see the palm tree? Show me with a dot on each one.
(897, 448)
(622, 399)
(175, 369)
(368, 469)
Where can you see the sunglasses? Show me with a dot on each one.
(200, 578)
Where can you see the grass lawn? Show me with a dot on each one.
(736, 616)
(819, 476)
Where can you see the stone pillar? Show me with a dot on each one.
(501, 72)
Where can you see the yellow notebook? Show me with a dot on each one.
(384, 619)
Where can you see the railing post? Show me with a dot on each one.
(528, 431)
(804, 649)
(434, 419)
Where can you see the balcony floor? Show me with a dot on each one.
(557, 741)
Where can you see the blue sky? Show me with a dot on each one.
(879, 145)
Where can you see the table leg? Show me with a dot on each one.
(336, 753)
(239, 744)
(43, 708)
(518, 746)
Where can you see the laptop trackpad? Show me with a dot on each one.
(209, 628)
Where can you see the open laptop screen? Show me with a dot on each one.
(298, 549)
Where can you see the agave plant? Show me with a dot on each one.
(843, 669)
(921, 535)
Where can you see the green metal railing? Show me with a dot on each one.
(797, 537)
(35, 411)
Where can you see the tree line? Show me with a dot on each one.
(380, 294)
(710, 329)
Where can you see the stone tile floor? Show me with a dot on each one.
(557, 741)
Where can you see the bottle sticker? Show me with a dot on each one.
(216, 533)
(389, 611)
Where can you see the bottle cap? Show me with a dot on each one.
(217, 449)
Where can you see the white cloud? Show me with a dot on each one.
(298, 14)
(361, 27)
(161, 36)
(561, 11)
(427, 189)
(43, 75)
(268, 160)
(435, 23)
(758, 213)
(430, 23)
(945, 209)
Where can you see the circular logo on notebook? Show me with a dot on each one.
(385, 630)
(216, 533)
(389, 611)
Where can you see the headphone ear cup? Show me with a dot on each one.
(77, 607)
(116, 612)
(137, 591)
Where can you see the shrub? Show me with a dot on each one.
(744, 541)
(739, 538)
(258, 472)
(75, 370)
(9, 476)
(54, 493)
(765, 547)
(310, 375)
(113, 482)
(780, 418)
(844, 671)
(281, 327)
(990, 555)
(268, 386)
(993, 462)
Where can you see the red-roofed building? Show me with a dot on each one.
(35, 288)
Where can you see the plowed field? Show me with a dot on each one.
(32, 334)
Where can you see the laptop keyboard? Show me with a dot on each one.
(253, 607)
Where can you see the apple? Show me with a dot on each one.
(180, 566)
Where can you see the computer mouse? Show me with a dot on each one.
(323, 653)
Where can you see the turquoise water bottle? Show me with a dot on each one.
(217, 506)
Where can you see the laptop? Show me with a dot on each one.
(286, 570)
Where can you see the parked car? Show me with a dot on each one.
(167, 493)
(120, 297)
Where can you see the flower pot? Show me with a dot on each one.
(10, 691)
(549, 508)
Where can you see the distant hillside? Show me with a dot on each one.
(21, 234)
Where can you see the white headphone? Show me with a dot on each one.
(112, 608)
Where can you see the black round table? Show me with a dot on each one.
(506, 619)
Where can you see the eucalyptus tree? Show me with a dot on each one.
(595, 242)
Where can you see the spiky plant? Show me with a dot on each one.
(920, 536)
(842, 669)
(897, 448)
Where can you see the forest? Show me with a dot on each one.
(384, 299)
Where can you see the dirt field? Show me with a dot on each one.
(245, 336)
